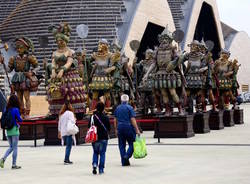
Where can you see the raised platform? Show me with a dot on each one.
(216, 120)
(238, 116)
(228, 118)
(200, 123)
(174, 127)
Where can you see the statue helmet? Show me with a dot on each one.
(225, 51)
(203, 44)
(166, 35)
(26, 42)
(103, 41)
(194, 42)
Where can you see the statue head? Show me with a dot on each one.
(225, 54)
(80, 54)
(103, 46)
(165, 38)
(203, 47)
(23, 45)
(61, 34)
(149, 54)
(194, 46)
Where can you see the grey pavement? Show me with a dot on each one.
(219, 157)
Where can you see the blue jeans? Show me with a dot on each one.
(13, 142)
(126, 133)
(68, 141)
(99, 148)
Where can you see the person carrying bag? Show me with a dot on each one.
(102, 124)
(67, 129)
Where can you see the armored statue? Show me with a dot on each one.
(24, 80)
(101, 79)
(167, 77)
(211, 83)
(145, 87)
(65, 82)
(195, 77)
(225, 71)
(122, 82)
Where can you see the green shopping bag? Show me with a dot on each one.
(140, 150)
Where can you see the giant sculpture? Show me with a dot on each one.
(24, 80)
(65, 82)
(167, 78)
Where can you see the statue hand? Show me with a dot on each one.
(29, 74)
(60, 74)
(53, 75)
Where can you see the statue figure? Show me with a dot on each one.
(24, 79)
(225, 71)
(211, 83)
(145, 87)
(167, 77)
(196, 77)
(235, 84)
(122, 82)
(65, 82)
(101, 80)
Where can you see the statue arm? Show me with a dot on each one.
(151, 68)
(11, 64)
(33, 61)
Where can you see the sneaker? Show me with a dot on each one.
(67, 162)
(16, 167)
(126, 162)
(94, 170)
(2, 163)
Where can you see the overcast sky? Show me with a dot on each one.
(235, 13)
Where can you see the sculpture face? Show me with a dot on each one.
(148, 55)
(21, 48)
(116, 57)
(102, 48)
(224, 56)
(61, 43)
(194, 48)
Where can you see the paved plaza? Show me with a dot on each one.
(219, 157)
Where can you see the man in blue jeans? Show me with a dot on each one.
(126, 129)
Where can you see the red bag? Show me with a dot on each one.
(91, 135)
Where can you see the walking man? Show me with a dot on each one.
(126, 128)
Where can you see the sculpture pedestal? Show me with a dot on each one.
(200, 123)
(238, 116)
(216, 120)
(228, 118)
(174, 127)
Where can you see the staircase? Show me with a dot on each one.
(31, 18)
(177, 11)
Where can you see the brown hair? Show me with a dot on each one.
(66, 107)
(13, 102)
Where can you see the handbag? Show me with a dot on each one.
(72, 129)
(91, 135)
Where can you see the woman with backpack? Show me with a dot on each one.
(66, 119)
(13, 111)
(101, 121)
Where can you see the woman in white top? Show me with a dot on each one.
(66, 116)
